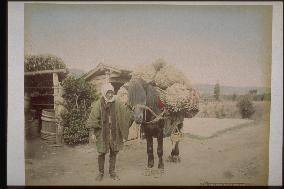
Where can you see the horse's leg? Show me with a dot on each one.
(175, 150)
(160, 149)
(174, 157)
(175, 153)
(149, 140)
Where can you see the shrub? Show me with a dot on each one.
(78, 97)
(246, 107)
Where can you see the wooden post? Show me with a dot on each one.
(57, 95)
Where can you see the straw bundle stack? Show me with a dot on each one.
(179, 98)
(146, 72)
(175, 89)
(169, 75)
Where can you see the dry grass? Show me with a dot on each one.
(228, 109)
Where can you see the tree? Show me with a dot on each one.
(217, 91)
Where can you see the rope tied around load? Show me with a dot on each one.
(176, 135)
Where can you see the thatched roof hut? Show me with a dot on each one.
(117, 76)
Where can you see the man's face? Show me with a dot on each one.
(109, 95)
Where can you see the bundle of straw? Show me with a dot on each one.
(169, 75)
(179, 98)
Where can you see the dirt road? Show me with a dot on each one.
(235, 156)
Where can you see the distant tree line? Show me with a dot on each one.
(257, 97)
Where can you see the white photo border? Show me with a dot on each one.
(15, 122)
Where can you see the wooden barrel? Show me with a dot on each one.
(49, 126)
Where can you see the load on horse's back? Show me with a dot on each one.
(160, 107)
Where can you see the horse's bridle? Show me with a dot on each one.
(157, 117)
(155, 120)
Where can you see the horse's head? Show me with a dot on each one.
(136, 96)
(141, 97)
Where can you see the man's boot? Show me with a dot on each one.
(101, 163)
(112, 161)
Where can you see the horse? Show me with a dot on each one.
(148, 111)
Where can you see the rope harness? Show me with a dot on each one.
(157, 117)
(175, 136)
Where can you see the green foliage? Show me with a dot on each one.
(43, 62)
(78, 97)
(217, 91)
(34, 63)
(246, 107)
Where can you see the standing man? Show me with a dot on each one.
(104, 125)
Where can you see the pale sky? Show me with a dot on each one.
(226, 44)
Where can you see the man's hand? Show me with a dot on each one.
(92, 137)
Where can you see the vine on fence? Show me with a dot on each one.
(42, 84)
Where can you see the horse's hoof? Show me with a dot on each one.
(170, 159)
(176, 159)
(161, 166)
(161, 163)
(147, 171)
(150, 164)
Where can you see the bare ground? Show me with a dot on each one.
(237, 156)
